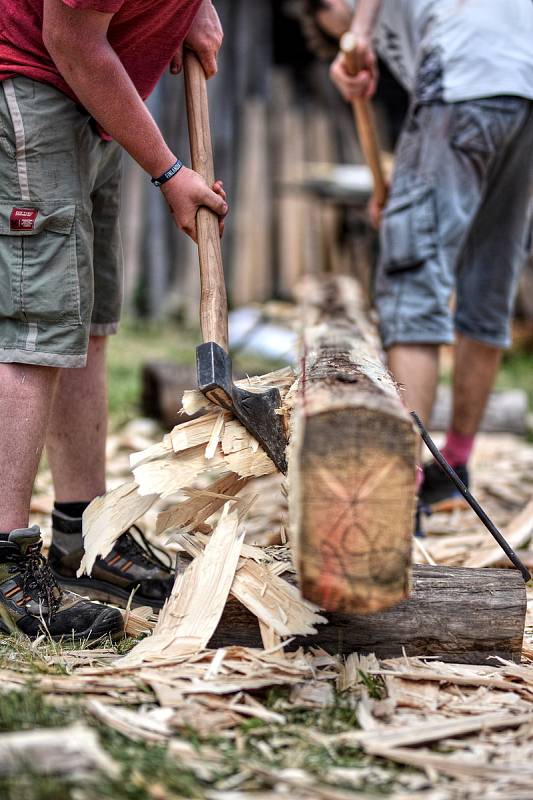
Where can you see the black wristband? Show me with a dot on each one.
(166, 176)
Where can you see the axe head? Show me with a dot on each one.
(256, 411)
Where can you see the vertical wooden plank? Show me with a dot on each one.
(252, 272)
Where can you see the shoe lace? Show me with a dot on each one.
(144, 550)
(38, 580)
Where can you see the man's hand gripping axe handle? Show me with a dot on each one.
(366, 125)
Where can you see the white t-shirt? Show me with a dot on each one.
(453, 50)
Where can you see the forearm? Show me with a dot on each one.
(365, 18)
(103, 86)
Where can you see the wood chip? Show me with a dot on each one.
(107, 518)
(73, 751)
(193, 611)
(517, 533)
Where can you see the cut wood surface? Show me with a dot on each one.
(458, 615)
(352, 459)
(475, 717)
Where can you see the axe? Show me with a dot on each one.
(255, 410)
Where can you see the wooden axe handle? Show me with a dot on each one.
(213, 299)
(364, 120)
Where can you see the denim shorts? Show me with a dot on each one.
(457, 222)
(60, 249)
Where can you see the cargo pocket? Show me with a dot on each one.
(472, 130)
(38, 263)
(408, 233)
(480, 128)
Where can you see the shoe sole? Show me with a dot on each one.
(98, 590)
(448, 505)
(100, 628)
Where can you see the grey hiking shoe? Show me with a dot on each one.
(133, 565)
(32, 602)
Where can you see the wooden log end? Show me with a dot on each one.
(355, 505)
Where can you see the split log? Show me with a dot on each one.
(463, 616)
(352, 459)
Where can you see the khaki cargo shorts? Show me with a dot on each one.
(60, 249)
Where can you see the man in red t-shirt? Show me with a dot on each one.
(73, 78)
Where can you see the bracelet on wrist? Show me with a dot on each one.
(166, 176)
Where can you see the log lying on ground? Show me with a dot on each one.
(163, 384)
(352, 459)
(506, 412)
(455, 614)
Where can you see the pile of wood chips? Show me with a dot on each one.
(468, 730)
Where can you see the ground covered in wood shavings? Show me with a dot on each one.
(234, 723)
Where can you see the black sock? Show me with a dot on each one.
(74, 510)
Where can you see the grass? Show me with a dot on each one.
(517, 373)
(147, 772)
(138, 342)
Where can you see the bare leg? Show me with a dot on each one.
(25, 400)
(416, 368)
(475, 370)
(78, 427)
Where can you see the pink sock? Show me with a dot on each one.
(457, 448)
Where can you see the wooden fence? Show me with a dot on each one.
(272, 117)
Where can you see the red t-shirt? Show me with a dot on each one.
(145, 34)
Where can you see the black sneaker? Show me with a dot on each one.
(32, 602)
(133, 565)
(438, 493)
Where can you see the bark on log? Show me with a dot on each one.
(352, 459)
(459, 615)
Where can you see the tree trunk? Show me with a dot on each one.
(352, 459)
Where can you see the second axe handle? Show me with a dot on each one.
(365, 122)
(213, 299)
